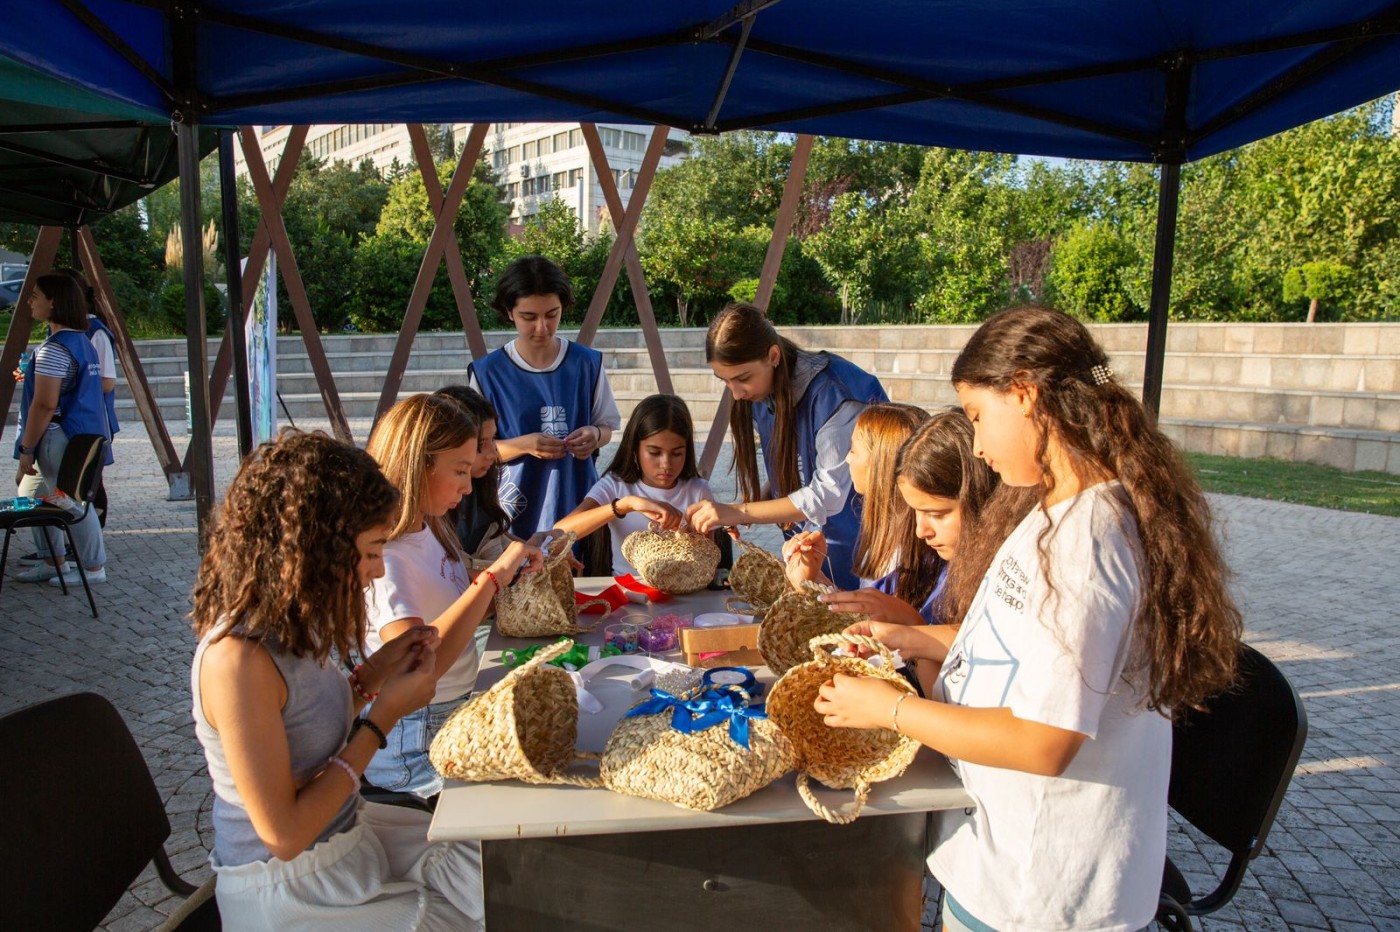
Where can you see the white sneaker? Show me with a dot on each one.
(38, 573)
(71, 577)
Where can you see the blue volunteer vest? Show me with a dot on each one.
(838, 381)
(80, 409)
(536, 493)
(110, 398)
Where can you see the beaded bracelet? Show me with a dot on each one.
(616, 514)
(349, 771)
(494, 581)
(378, 732)
(358, 688)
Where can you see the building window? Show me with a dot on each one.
(560, 180)
(634, 142)
(561, 142)
(611, 137)
(575, 176)
(527, 151)
(545, 146)
(575, 137)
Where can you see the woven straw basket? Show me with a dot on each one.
(541, 604)
(704, 770)
(678, 562)
(757, 577)
(842, 758)
(790, 623)
(522, 728)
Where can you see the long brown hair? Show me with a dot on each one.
(887, 529)
(1187, 628)
(739, 334)
(486, 490)
(405, 443)
(282, 562)
(653, 415)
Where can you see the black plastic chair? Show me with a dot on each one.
(80, 818)
(1230, 767)
(78, 476)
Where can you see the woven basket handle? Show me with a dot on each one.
(576, 779)
(834, 816)
(860, 640)
(740, 605)
(541, 657)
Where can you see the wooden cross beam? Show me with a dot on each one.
(427, 271)
(646, 314)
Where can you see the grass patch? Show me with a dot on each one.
(1376, 493)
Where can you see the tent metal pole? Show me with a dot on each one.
(234, 332)
(1168, 198)
(199, 464)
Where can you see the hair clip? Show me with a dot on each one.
(1100, 374)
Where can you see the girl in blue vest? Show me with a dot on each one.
(106, 346)
(61, 398)
(804, 407)
(554, 404)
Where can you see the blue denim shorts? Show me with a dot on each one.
(403, 765)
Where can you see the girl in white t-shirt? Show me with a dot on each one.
(652, 479)
(1098, 614)
(427, 447)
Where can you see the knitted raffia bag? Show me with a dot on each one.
(678, 562)
(702, 749)
(841, 758)
(793, 620)
(756, 578)
(522, 728)
(541, 604)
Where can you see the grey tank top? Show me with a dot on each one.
(317, 717)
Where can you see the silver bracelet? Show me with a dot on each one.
(894, 713)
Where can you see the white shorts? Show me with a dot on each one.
(380, 874)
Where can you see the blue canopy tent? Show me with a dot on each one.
(1100, 79)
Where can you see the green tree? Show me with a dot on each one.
(1087, 274)
(864, 251)
(1316, 282)
(384, 271)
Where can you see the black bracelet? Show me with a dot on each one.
(616, 514)
(379, 732)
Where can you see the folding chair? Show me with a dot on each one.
(80, 818)
(1230, 767)
(78, 476)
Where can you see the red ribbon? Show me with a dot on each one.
(631, 582)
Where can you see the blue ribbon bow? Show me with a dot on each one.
(704, 710)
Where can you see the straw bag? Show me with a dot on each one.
(757, 577)
(790, 623)
(522, 728)
(703, 749)
(677, 562)
(541, 604)
(842, 758)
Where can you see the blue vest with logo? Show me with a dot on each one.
(536, 493)
(80, 409)
(95, 325)
(838, 381)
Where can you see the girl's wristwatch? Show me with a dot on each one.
(27, 451)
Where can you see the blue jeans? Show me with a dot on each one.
(87, 533)
(403, 765)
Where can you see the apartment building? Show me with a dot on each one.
(534, 162)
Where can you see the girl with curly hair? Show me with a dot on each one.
(427, 447)
(285, 735)
(1101, 612)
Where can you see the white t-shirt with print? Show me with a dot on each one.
(685, 493)
(421, 581)
(1083, 850)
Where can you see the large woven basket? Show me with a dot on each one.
(841, 758)
(678, 562)
(790, 623)
(541, 604)
(522, 728)
(705, 769)
(757, 576)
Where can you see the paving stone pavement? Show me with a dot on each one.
(1319, 589)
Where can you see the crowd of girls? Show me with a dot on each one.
(1040, 557)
